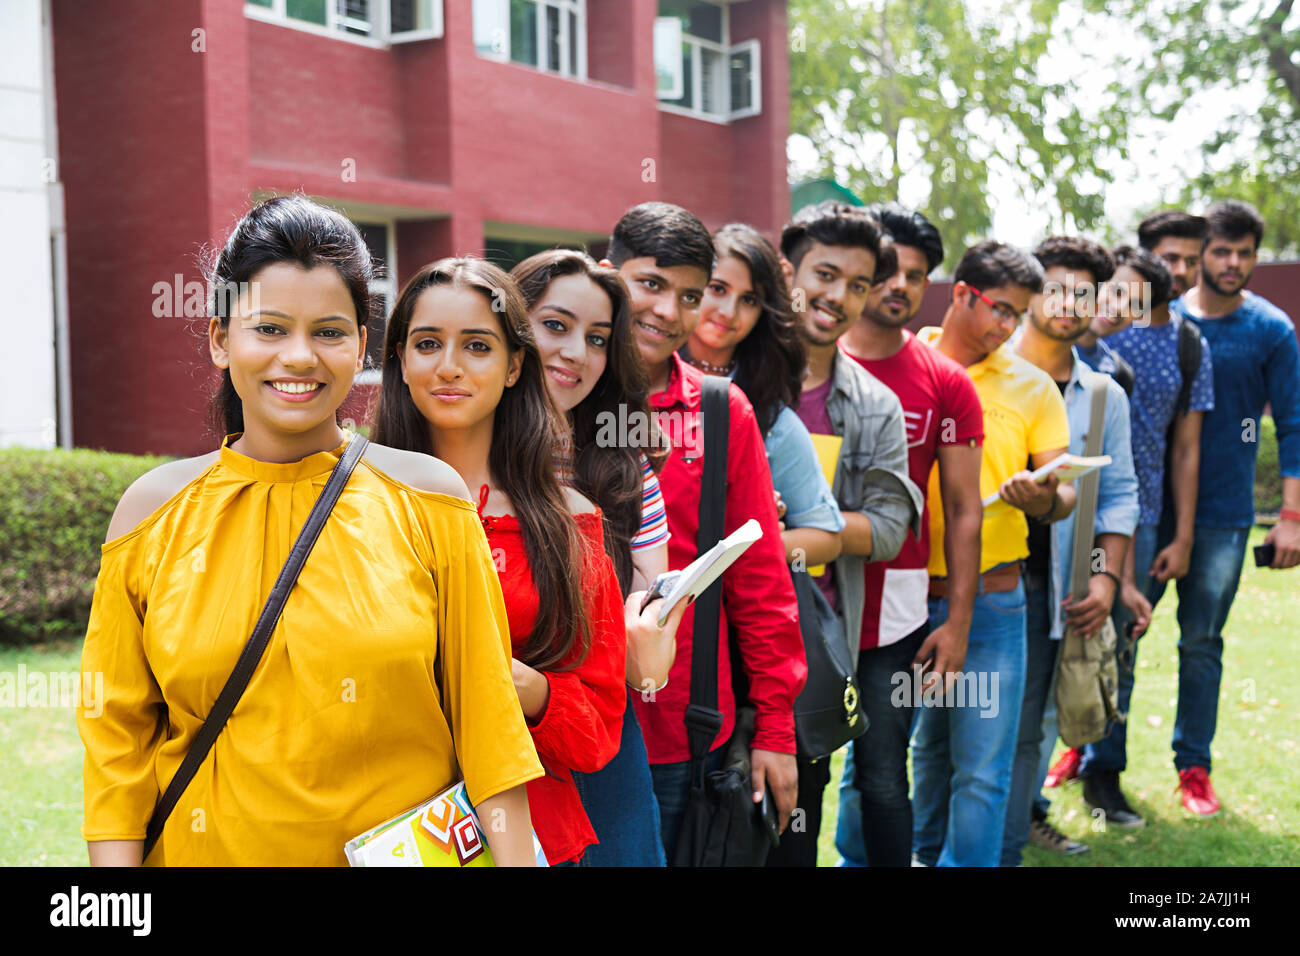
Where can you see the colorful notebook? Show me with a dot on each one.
(444, 831)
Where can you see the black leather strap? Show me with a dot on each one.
(253, 650)
(703, 719)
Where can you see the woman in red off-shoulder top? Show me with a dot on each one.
(581, 725)
(463, 380)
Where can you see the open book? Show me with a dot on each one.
(691, 581)
(1065, 467)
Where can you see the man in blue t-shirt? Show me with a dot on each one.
(1256, 361)
(1144, 333)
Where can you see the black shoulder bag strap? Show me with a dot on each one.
(1189, 361)
(703, 719)
(252, 653)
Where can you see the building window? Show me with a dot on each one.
(379, 22)
(550, 35)
(697, 69)
(380, 239)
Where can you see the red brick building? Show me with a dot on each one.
(441, 126)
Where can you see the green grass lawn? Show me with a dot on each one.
(1255, 754)
(1256, 747)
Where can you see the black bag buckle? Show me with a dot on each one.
(706, 720)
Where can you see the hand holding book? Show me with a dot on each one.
(1064, 468)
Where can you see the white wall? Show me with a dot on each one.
(28, 385)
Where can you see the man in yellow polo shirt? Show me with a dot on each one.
(964, 743)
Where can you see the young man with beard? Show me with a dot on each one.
(1255, 362)
(665, 255)
(1176, 237)
(1166, 415)
(946, 425)
(831, 254)
(1057, 318)
(962, 755)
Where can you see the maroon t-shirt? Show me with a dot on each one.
(812, 412)
(940, 407)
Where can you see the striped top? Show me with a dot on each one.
(654, 517)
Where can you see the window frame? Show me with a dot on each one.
(385, 287)
(381, 36)
(578, 8)
(725, 49)
(755, 48)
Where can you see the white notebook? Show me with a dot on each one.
(691, 581)
(1066, 467)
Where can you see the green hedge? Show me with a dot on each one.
(1268, 472)
(54, 512)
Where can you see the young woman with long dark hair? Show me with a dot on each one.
(579, 315)
(388, 674)
(746, 331)
(462, 380)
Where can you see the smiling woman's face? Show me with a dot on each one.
(455, 360)
(730, 308)
(572, 323)
(292, 348)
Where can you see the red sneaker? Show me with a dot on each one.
(1065, 769)
(1198, 793)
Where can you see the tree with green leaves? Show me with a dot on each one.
(888, 88)
(1197, 46)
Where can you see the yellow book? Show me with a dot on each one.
(828, 456)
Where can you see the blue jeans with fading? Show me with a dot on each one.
(620, 803)
(962, 756)
(1027, 773)
(1205, 597)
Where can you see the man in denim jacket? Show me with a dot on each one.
(831, 253)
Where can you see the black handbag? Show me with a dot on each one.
(722, 826)
(256, 645)
(827, 712)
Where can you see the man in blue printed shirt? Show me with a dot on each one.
(1143, 332)
(1256, 361)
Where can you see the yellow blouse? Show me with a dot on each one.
(386, 679)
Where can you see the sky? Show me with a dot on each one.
(1160, 158)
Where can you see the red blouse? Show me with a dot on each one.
(583, 722)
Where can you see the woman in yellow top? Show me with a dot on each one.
(388, 676)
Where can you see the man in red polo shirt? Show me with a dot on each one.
(945, 424)
(665, 255)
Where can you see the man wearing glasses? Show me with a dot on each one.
(962, 755)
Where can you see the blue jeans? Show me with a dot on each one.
(962, 755)
(672, 784)
(1111, 752)
(1040, 673)
(1205, 597)
(875, 814)
(620, 803)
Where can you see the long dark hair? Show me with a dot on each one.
(525, 430)
(284, 229)
(770, 360)
(611, 477)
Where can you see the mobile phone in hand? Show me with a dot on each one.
(1264, 555)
